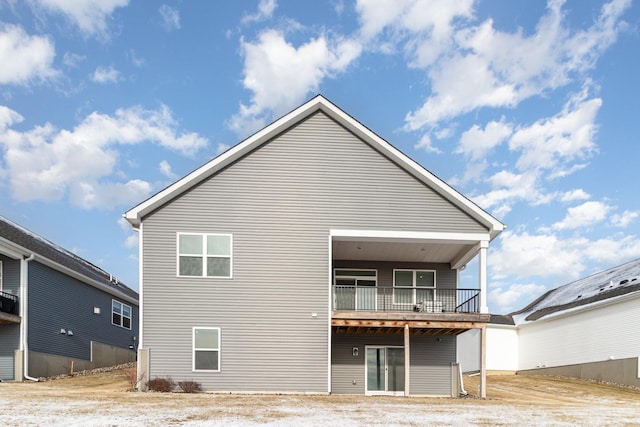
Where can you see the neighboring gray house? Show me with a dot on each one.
(58, 312)
(584, 329)
(313, 257)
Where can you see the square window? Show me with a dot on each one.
(205, 255)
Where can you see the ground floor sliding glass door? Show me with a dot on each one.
(385, 370)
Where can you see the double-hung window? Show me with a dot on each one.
(206, 349)
(120, 314)
(205, 255)
(413, 286)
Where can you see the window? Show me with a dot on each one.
(206, 349)
(413, 286)
(0, 276)
(120, 314)
(204, 255)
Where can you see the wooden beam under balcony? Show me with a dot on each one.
(354, 322)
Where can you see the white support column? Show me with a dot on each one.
(483, 362)
(407, 361)
(482, 276)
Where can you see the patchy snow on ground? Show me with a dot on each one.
(136, 409)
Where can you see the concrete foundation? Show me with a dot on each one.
(47, 365)
(623, 371)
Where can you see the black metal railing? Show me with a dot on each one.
(8, 303)
(418, 299)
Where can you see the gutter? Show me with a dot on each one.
(24, 272)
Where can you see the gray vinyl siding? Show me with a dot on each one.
(10, 275)
(430, 361)
(9, 332)
(57, 301)
(9, 343)
(279, 202)
(446, 278)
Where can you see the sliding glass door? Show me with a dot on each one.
(385, 370)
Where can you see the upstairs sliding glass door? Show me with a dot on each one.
(355, 289)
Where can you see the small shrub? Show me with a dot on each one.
(162, 384)
(132, 377)
(190, 386)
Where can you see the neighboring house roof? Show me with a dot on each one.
(27, 242)
(318, 103)
(621, 280)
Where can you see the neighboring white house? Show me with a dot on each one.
(585, 329)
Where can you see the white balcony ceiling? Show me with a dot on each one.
(438, 252)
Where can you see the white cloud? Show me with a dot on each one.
(425, 29)
(72, 60)
(170, 18)
(280, 75)
(548, 255)
(486, 67)
(24, 58)
(547, 149)
(502, 300)
(105, 75)
(221, 148)
(165, 169)
(573, 195)
(264, 12)
(426, 145)
(552, 143)
(45, 163)
(624, 219)
(584, 215)
(131, 240)
(476, 142)
(90, 16)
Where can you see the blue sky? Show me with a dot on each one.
(528, 108)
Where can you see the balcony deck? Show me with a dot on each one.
(8, 308)
(387, 310)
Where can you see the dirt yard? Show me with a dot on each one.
(103, 400)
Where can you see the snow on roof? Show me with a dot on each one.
(32, 242)
(616, 281)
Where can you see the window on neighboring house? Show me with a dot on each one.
(413, 286)
(0, 276)
(120, 314)
(206, 349)
(204, 255)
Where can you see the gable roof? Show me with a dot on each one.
(318, 103)
(24, 242)
(617, 281)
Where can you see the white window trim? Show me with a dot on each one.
(204, 255)
(122, 316)
(194, 349)
(413, 284)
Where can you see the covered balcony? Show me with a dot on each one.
(9, 308)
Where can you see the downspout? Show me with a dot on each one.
(23, 310)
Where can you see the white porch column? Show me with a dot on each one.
(482, 275)
(407, 361)
(483, 362)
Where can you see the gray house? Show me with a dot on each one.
(313, 257)
(58, 312)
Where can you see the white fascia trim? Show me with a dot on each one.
(408, 236)
(12, 250)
